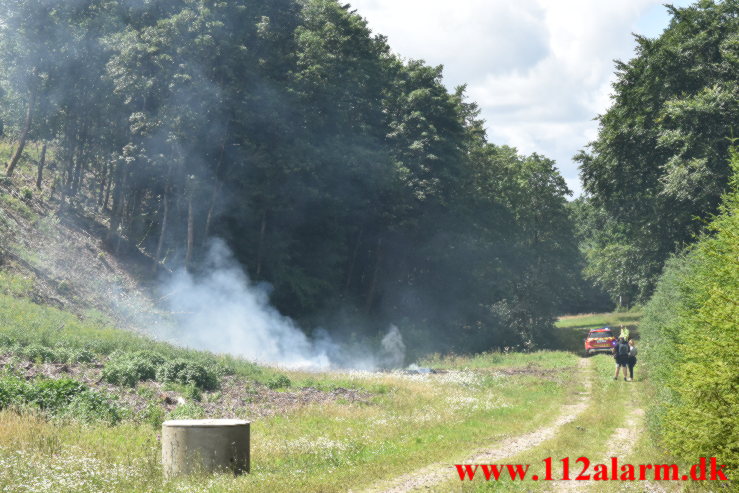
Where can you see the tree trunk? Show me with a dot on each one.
(115, 214)
(101, 188)
(190, 231)
(66, 183)
(373, 282)
(216, 191)
(24, 135)
(107, 189)
(260, 246)
(217, 185)
(350, 273)
(41, 163)
(163, 231)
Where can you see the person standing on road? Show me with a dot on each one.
(621, 355)
(632, 359)
(624, 333)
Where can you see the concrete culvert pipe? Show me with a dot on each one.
(205, 445)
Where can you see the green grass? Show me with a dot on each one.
(24, 323)
(545, 359)
(16, 205)
(404, 422)
(587, 436)
(596, 320)
(15, 285)
(570, 331)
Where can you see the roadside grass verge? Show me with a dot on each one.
(325, 448)
(586, 436)
(543, 359)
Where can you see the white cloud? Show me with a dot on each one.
(540, 70)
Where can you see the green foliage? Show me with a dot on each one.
(188, 391)
(64, 398)
(188, 410)
(340, 156)
(658, 168)
(37, 353)
(15, 285)
(55, 394)
(279, 382)
(130, 368)
(690, 326)
(188, 373)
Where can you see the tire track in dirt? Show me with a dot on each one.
(619, 445)
(440, 472)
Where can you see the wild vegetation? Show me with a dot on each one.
(310, 430)
(353, 182)
(659, 166)
(364, 193)
(691, 327)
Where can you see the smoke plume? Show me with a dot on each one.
(219, 309)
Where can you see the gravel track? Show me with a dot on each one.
(437, 473)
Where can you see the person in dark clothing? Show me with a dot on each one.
(621, 355)
(632, 359)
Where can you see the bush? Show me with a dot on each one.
(13, 391)
(278, 382)
(690, 329)
(37, 353)
(128, 369)
(54, 394)
(186, 372)
(64, 397)
(89, 406)
(189, 391)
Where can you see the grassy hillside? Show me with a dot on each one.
(311, 431)
(82, 401)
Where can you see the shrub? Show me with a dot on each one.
(187, 372)
(692, 349)
(64, 397)
(5, 341)
(54, 394)
(13, 391)
(278, 382)
(130, 368)
(37, 353)
(90, 406)
(189, 391)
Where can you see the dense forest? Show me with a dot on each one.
(352, 181)
(660, 163)
(365, 193)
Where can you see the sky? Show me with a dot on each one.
(541, 70)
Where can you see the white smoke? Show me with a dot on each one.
(393, 349)
(222, 311)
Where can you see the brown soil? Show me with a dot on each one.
(236, 397)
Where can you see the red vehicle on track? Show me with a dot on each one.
(600, 340)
